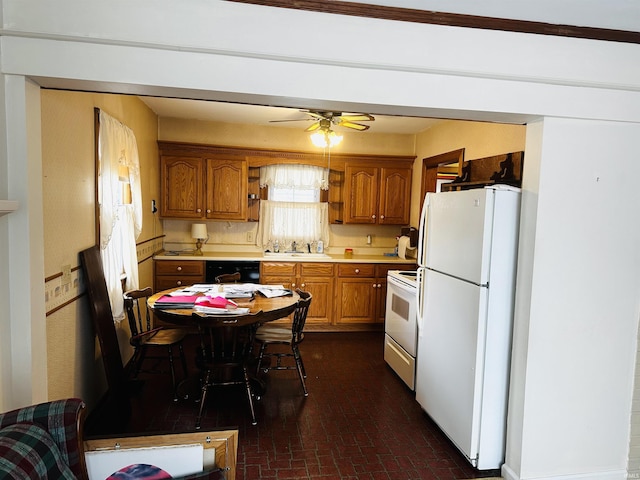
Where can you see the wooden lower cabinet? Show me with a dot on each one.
(315, 278)
(362, 291)
(177, 273)
(357, 296)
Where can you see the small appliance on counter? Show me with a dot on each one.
(407, 242)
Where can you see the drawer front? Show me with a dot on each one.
(278, 268)
(177, 267)
(174, 281)
(316, 269)
(356, 270)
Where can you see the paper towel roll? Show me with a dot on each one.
(403, 247)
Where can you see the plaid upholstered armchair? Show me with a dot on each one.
(43, 441)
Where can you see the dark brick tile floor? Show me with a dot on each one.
(359, 422)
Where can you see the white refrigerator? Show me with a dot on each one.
(466, 281)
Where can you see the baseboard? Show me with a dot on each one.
(345, 327)
(509, 474)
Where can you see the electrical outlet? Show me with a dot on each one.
(66, 275)
(250, 237)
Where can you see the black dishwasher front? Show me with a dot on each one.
(249, 270)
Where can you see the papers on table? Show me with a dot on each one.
(216, 299)
(271, 291)
(218, 305)
(176, 301)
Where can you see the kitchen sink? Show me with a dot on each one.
(295, 255)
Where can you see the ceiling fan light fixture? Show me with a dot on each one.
(325, 138)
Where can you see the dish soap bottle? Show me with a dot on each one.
(320, 247)
(276, 247)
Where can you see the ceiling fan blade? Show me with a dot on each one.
(292, 120)
(355, 126)
(360, 117)
(318, 115)
(313, 127)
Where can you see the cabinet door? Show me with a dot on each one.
(356, 300)
(226, 189)
(317, 279)
(395, 196)
(181, 187)
(361, 194)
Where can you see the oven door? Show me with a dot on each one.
(401, 317)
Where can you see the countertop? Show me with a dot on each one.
(240, 256)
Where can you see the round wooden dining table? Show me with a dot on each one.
(261, 310)
(224, 356)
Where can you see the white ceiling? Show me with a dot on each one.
(265, 116)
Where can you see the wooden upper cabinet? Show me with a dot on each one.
(395, 196)
(226, 189)
(182, 187)
(377, 195)
(194, 187)
(361, 194)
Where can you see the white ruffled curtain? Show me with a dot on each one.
(285, 222)
(300, 176)
(120, 225)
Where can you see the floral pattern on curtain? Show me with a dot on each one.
(120, 223)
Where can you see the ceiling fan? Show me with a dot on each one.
(324, 120)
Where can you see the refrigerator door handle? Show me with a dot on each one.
(420, 296)
(422, 232)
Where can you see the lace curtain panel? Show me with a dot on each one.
(292, 221)
(299, 176)
(120, 224)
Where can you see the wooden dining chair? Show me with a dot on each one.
(228, 278)
(224, 355)
(269, 335)
(145, 338)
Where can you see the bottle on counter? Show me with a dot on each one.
(320, 247)
(276, 247)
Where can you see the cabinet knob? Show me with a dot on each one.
(293, 285)
(179, 269)
(208, 210)
(374, 285)
(357, 270)
(373, 216)
(381, 217)
(179, 282)
(199, 210)
(379, 285)
(302, 285)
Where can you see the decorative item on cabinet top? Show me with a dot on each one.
(499, 169)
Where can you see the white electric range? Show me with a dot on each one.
(401, 324)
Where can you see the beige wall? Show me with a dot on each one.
(479, 140)
(73, 362)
